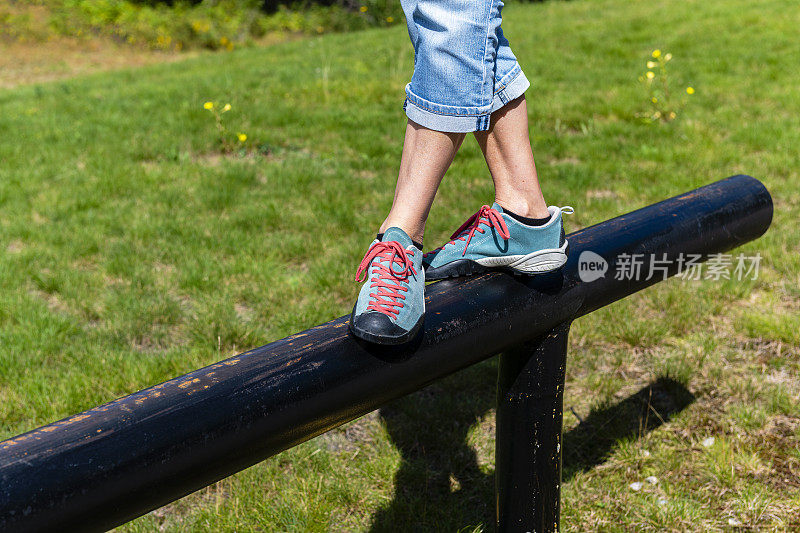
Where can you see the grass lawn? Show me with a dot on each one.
(132, 250)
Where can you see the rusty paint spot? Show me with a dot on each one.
(189, 382)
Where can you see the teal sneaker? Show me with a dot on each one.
(391, 305)
(492, 239)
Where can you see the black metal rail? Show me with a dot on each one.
(110, 464)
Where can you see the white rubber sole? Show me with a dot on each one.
(532, 263)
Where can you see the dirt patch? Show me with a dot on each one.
(600, 193)
(347, 438)
(563, 161)
(24, 62)
(53, 301)
(779, 445)
(366, 174)
(243, 311)
(15, 247)
(174, 513)
(765, 350)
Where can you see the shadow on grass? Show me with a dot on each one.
(439, 485)
(591, 442)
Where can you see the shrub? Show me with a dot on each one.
(217, 24)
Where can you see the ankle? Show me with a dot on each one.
(525, 208)
(411, 230)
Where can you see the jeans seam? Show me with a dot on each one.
(415, 101)
(486, 45)
(444, 113)
(506, 94)
(506, 84)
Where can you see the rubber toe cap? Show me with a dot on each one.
(378, 325)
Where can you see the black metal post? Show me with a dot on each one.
(530, 394)
(105, 466)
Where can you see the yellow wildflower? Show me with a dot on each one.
(672, 114)
(363, 9)
(389, 19)
(210, 105)
(690, 90)
(226, 108)
(654, 100)
(651, 64)
(667, 57)
(242, 137)
(656, 53)
(650, 75)
(200, 26)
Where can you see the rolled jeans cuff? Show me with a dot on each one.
(453, 119)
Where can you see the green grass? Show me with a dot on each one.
(131, 251)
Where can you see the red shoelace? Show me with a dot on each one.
(388, 299)
(485, 215)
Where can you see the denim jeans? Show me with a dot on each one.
(463, 66)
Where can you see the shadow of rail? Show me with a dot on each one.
(441, 486)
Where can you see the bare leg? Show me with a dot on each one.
(507, 149)
(427, 155)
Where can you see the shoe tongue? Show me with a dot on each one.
(497, 207)
(396, 234)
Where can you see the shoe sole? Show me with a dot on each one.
(385, 339)
(538, 262)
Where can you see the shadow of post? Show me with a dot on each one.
(440, 485)
(591, 442)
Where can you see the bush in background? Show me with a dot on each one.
(176, 25)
